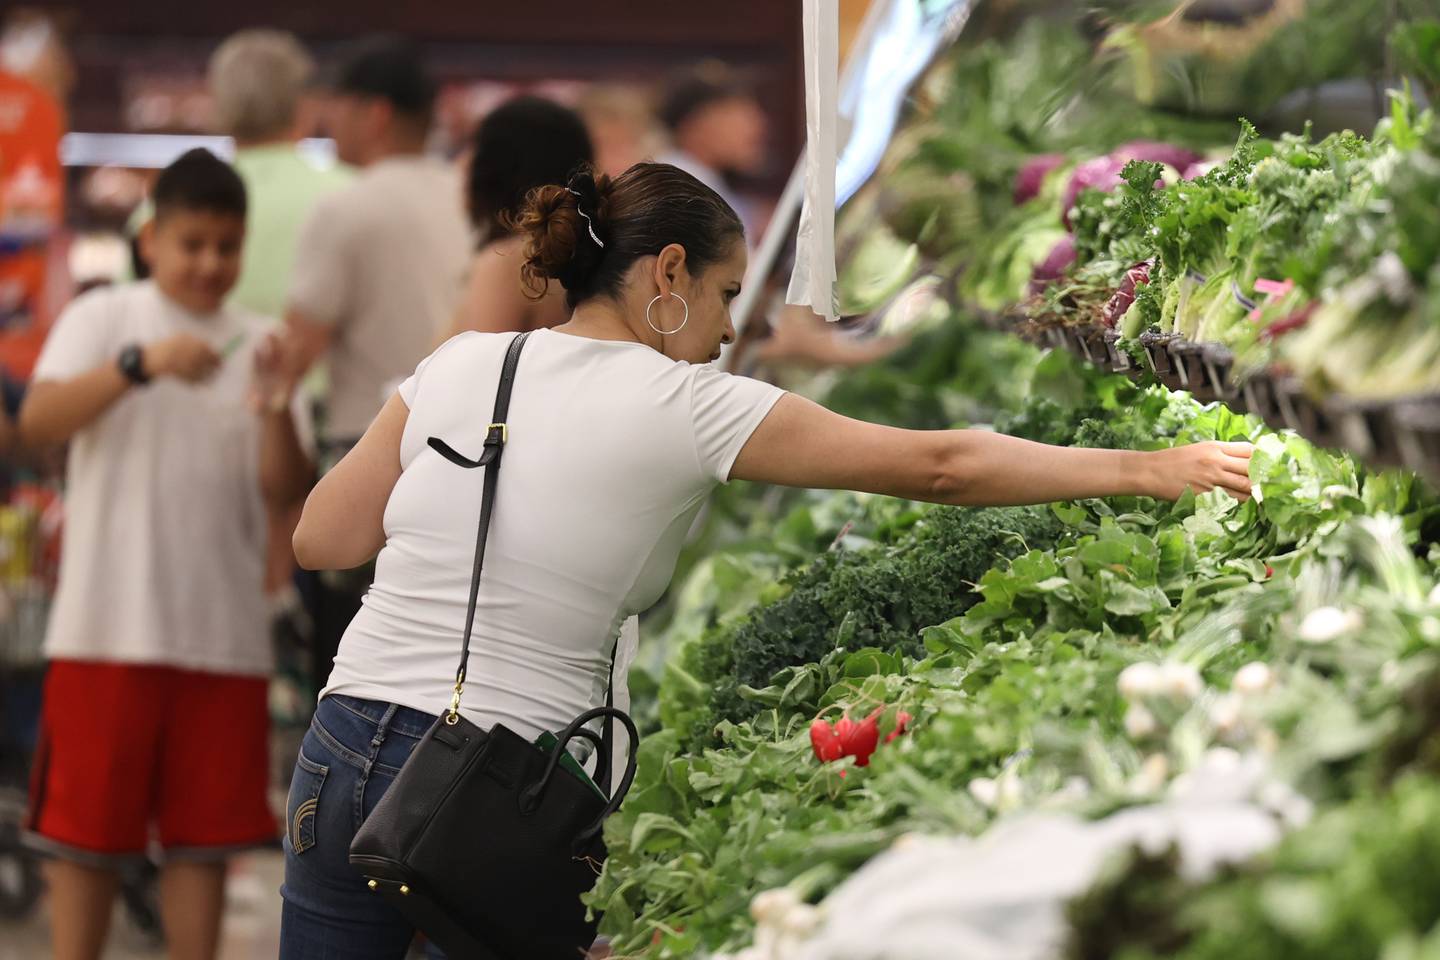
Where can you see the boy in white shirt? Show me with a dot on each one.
(155, 725)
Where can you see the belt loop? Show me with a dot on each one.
(381, 728)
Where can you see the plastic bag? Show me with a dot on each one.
(813, 282)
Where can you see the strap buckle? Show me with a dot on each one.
(452, 716)
(504, 434)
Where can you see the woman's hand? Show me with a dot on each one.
(1201, 467)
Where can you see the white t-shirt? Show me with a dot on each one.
(162, 560)
(613, 448)
(382, 260)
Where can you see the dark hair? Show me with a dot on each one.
(521, 145)
(689, 92)
(387, 68)
(638, 214)
(199, 181)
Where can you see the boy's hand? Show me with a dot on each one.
(182, 356)
(273, 384)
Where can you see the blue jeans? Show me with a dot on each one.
(349, 758)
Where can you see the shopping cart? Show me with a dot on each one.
(30, 520)
(31, 514)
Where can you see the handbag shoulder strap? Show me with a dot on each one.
(496, 436)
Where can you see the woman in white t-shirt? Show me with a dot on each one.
(618, 429)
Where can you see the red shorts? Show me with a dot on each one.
(131, 754)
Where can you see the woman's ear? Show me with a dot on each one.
(669, 265)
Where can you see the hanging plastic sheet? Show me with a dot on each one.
(813, 282)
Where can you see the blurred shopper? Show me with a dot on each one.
(521, 145)
(258, 78)
(718, 131)
(155, 709)
(31, 214)
(32, 45)
(622, 126)
(380, 265)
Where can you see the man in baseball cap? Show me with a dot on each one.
(380, 92)
(380, 264)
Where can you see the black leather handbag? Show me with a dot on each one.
(485, 841)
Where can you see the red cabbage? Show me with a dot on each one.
(1056, 262)
(1031, 177)
(1102, 173)
(1124, 296)
(1152, 151)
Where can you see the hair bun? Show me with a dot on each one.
(564, 230)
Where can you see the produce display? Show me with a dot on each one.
(1127, 729)
(1175, 246)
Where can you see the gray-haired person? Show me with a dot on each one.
(258, 79)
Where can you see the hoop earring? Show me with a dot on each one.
(667, 333)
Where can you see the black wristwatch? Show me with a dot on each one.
(132, 364)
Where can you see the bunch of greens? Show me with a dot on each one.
(1012, 700)
(1335, 239)
(1253, 58)
(1212, 238)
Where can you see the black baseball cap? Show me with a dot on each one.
(389, 68)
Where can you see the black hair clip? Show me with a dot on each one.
(588, 224)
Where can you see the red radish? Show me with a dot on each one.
(862, 739)
(1031, 177)
(825, 741)
(902, 725)
(1269, 571)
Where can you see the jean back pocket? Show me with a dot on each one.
(304, 802)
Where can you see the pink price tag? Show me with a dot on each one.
(1272, 290)
(1275, 288)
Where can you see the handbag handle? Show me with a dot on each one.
(530, 798)
(602, 759)
(496, 436)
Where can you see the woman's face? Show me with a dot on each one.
(709, 296)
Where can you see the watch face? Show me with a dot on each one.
(131, 365)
